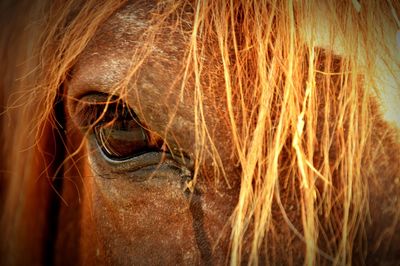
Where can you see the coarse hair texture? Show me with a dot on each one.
(300, 87)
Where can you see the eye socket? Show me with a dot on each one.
(120, 144)
(116, 128)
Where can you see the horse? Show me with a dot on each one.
(200, 132)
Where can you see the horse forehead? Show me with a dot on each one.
(108, 57)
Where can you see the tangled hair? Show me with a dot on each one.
(302, 89)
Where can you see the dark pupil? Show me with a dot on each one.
(122, 138)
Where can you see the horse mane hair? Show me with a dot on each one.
(302, 101)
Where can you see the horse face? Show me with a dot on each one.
(143, 207)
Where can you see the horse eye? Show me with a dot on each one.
(122, 138)
(115, 127)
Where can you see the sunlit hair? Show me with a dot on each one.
(301, 94)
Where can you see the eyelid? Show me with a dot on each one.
(183, 166)
(92, 109)
(150, 158)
